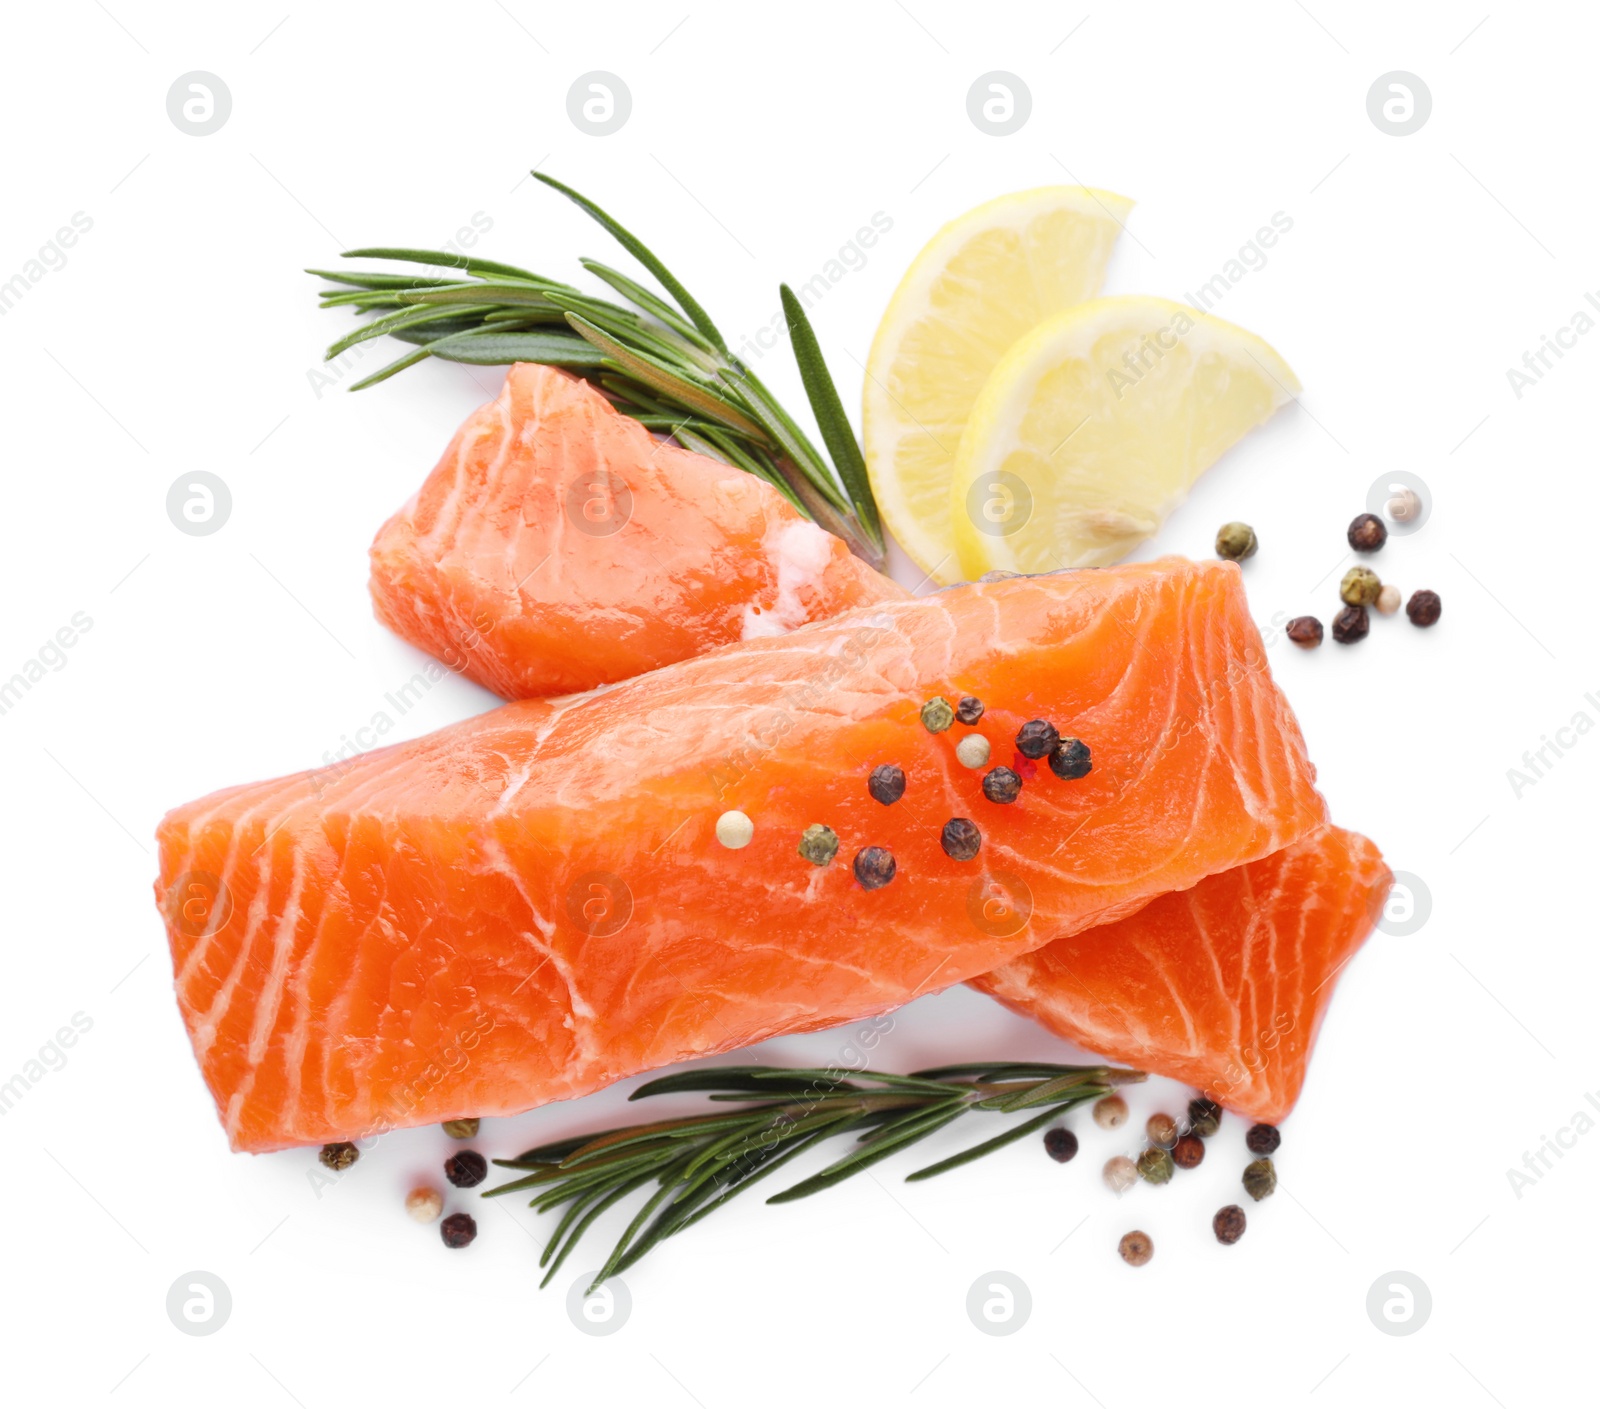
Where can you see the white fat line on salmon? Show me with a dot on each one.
(1539, 1161)
(403, 1101)
(1537, 763)
(847, 655)
(51, 656)
(52, 1056)
(850, 258)
(325, 376)
(52, 256)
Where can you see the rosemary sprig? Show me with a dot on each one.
(659, 359)
(700, 1162)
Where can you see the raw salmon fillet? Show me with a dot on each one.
(558, 546)
(531, 904)
(1222, 986)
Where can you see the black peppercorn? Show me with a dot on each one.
(1036, 738)
(1350, 626)
(1070, 758)
(874, 868)
(1205, 1116)
(960, 839)
(1305, 632)
(1424, 607)
(1263, 1139)
(1001, 785)
(466, 1169)
(458, 1230)
(1228, 1224)
(1260, 1179)
(1367, 533)
(339, 1157)
(1061, 1144)
(887, 783)
(969, 709)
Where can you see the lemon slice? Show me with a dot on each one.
(976, 287)
(1094, 426)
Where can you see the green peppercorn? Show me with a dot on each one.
(1205, 1117)
(339, 1157)
(819, 844)
(1360, 587)
(1155, 1166)
(1236, 541)
(1260, 1179)
(466, 1129)
(937, 715)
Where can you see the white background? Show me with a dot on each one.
(179, 337)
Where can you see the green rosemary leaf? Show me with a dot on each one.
(443, 258)
(392, 322)
(636, 293)
(583, 1223)
(1027, 1127)
(398, 365)
(512, 294)
(630, 242)
(666, 1191)
(1073, 1087)
(666, 379)
(837, 433)
(380, 281)
(869, 1154)
(488, 349)
(751, 1078)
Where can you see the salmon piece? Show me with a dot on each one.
(1223, 986)
(531, 904)
(558, 546)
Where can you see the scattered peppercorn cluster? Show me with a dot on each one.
(465, 1170)
(960, 838)
(1174, 1144)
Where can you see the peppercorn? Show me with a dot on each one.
(1001, 785)
(1236, 541)
(465, 1129)
(1061, 1144)
(1155, 1166)
(1228, 1225)
(1423, 608)
(1404, 506)
(1367, 533)
(887, 783)
(1162, 1130)
(1360, 587)
(466, 1169)
(1263, 1139)
(1260, 1179)
(458, 1230)
(1120, 1174)
(819, 844)
(937, 716)
(969, 709)
(1388, 599)
(972, 751)
(1305, 632)
(960, 839)
(1205, 1117)
(339, 1157)
(1110, 1112)
(1070, 758)
(1189, 1151)
(424, 1205)
(734, 830)
(1036, 738)
(1136, 1248)
(874, 868)
(1350, 626)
